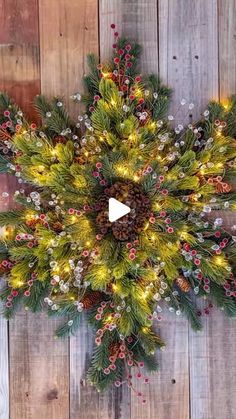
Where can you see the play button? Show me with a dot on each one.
(117, 210)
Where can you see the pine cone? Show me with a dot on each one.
(57, 226)
(59, 139)
(91, 299)
(102, 219)
(80, 159)
(114, 348)
(183, 283)
(120, 231)
(128, 226)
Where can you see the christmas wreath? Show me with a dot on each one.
(60, 251)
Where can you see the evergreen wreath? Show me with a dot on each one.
(59, 250)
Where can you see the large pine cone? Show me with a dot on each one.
(127, 227)
(183, 283)
(91, 299)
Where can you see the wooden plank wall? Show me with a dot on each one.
(43, 48)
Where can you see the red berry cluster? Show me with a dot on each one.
(5, 265)
(192, 253)
(97, 174)
(10, 298)
(206, 310)
(230, 287)
(132, 249)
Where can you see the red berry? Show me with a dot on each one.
(113, 26)
(170, 230)
(164, 192)
(186, 247)
(128, 47)
(137, 78)
(27, 293)
(217, 234)
(116, 60)
(132, 97)
(85, 253)
(129, 64)
(98, 341)
(120, 51)
(33, 126)
(14, 293)
(116, 34)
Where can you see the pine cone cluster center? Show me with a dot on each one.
(127, 227)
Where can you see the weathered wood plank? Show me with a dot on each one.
(4, 372)
(227, 48)
(212, 354)
(19, 67)
(136, 19)
(73, 34)
(4, 367)
(112, 404)
(212, 368)
(19, 52)
(36, 384)
(39, 372)
(68, 32)
(167, 395)
(189, 52)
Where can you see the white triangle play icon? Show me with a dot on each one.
(117, 210)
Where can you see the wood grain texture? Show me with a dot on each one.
(68, 32)
(212, 352)
(188, 52)
(136, 19)
(19, 76)
(167, 394)
(39, 372)
(4, 366)
(113, 404)
(213, 368)
(19, 52)
(227, 47)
